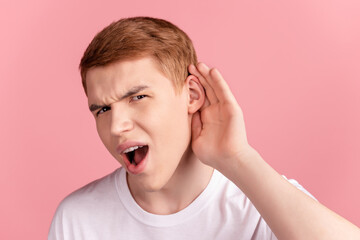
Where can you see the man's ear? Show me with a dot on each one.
(196, 94)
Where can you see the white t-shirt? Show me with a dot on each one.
(105, 209)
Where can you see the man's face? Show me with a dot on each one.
(140, 119)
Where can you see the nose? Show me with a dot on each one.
(120, 121)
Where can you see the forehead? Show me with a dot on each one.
(117, 78)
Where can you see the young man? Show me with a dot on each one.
(187, 171)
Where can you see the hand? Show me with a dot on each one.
(218, 128)
(219, 140)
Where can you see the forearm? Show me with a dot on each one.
(218, 134)
(290, 213)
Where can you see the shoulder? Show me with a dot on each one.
(90, 205)
(243, 221)
(238, 210)
(100, 190)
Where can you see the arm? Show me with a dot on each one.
(219, 140)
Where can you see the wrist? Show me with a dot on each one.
(239, 162)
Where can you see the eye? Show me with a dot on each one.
(138, 97)
(102, 110)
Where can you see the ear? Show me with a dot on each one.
(196, 94)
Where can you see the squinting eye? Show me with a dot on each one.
(102, 110)
(138, 97)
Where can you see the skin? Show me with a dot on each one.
(210, 132)
(173, 176)
(218, 133)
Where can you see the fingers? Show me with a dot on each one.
(205, 105)
(203, 80)
(215, 85)
(221, 88)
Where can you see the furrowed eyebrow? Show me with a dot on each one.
(132, 91)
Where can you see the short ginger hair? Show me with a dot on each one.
(136, 37)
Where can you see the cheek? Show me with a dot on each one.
(103, 133)
(175, 124)
(166, 122)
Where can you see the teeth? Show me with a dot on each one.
(130, 149)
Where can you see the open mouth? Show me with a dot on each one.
(136, 154)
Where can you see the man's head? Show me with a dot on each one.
(133, 38)
(142, 97)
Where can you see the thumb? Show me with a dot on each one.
(196, 126)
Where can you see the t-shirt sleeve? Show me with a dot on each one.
(298, 186)
(56, 231)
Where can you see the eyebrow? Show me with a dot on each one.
(132, 91)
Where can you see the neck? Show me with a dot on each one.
(188, 181)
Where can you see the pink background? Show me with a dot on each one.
(294, 67)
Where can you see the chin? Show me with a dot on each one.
(155, 179)
(144, 182)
